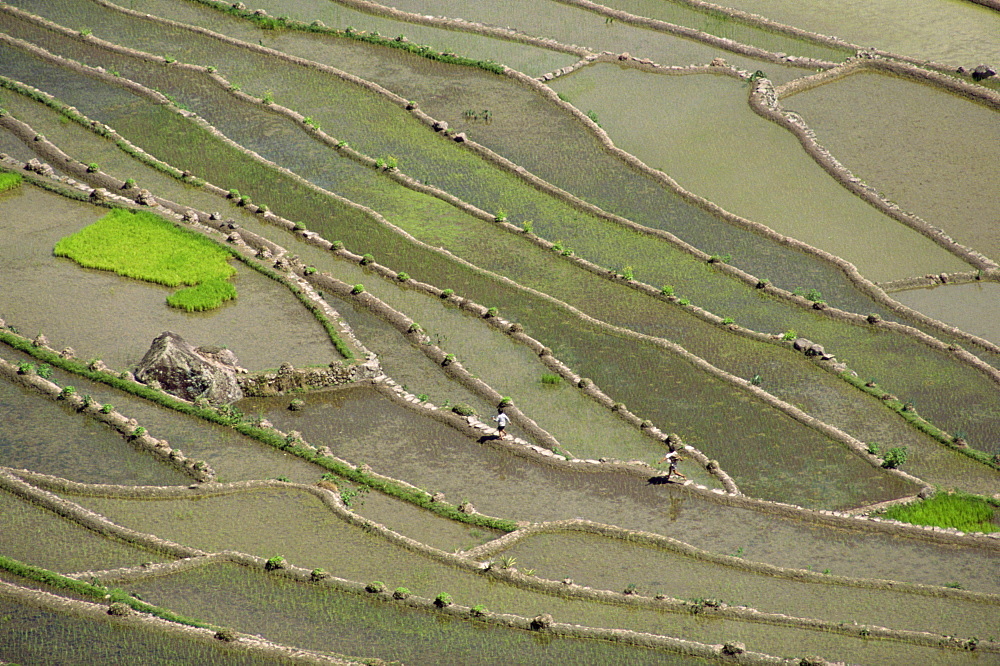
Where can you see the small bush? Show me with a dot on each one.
(309, 270)
(107, 408)
(44, 371)
(492, 312)
(358, 288)
(667, 290)
(895, 457)
(92, 167)
(402, 276)
(628, 273)
(728, 320)
(501, 215)
(318, 574)
(443, 599)
(685, 301)
(400, 593)
(367, 258)
(528, 226)
(274, 563)
(446, 293)
(551, 379)
(789, 335)
(463, 409)
(505, 401)
(478, 610)
(375, 587)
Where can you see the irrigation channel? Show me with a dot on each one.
(638, 227)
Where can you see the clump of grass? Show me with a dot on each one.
(789, 335)
(963, 511)
(9, 181)
(551, 379)
(208, 295)
(895, 457)
(142, 246)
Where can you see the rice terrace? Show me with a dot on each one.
(521, 332)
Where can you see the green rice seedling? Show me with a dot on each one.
(508, 561)
(9, 181)
(208, 295)
(551, 379)
(142, 246)
(963, 511)
(756, 380)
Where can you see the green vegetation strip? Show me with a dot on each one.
(963, 511)
(228, 416)
(9, 181)
(96, 592)
(144, 246)
(266, 22)
(911, 416)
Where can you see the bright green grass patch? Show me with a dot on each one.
(142, 246)
(208, 295)
(963, 511)
(9, 181)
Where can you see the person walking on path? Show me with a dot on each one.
(502, 420)
(672, 458)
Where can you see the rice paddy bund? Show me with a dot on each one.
(633, 228)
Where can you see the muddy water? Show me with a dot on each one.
(243, 522)
(353, 624)
(68, 547)
(953, 32)
(611, 564)
(416, 273)
(927, 150)
(500, 484)
(970, 307)
(571, 25)
(30, 268)
(51, 437)
(672, 123)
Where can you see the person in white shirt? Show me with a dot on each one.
(502, 420)
(672, 458)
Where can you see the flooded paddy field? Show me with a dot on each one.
(613, 222)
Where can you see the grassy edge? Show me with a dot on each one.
(917, 421)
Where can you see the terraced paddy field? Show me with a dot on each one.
(635, 228)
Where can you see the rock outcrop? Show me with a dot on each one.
(191, 373)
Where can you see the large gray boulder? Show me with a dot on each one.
(190, 373)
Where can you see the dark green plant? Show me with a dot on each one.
(667, 290)
(402, 276)
(226, 635)
(129, 183)
(874, 448)
(628, 273)
(756, 380)
(138, 432)
(443, 599)
(367, 259)
(274, 563)
(318, 574)
(551, 379)
(44, 371)
(478, 610)
(25, 368)
(463, 409)
(423, 397)
(107, 408)
(593, 116)
(895, 457)
(350, 496)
